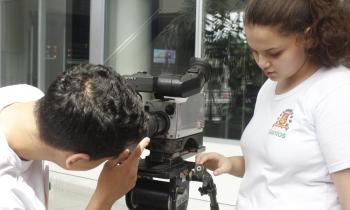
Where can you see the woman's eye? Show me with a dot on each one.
(275, 54)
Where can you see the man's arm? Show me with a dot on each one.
(341, 180)
(117, 178)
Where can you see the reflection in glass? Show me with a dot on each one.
(158, 36)
(67, 36)
(232, 90)
(41, 38)
(18, 42)
(149, 35)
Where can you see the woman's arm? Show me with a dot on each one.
(238, 166)
(341, 180)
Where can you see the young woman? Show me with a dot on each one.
(296, 148)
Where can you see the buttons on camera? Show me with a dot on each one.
(170, 109)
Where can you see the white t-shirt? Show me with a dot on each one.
(294, 142)
(23, 184)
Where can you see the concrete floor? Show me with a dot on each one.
(67, 196)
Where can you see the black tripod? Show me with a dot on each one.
(152, 192)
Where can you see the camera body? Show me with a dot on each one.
(176, 123)
(184, 123)
(176, 114)
(186, 115)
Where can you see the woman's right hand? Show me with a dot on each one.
(215, 162)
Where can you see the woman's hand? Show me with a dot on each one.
(220, 164)
(215, 162)
(341, 181)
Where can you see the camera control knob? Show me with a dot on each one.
(169, 109)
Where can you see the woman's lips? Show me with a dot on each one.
(269, 73)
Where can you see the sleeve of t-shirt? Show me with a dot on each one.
(332, 123)
(13, 196)
(9, 200)
(19, 93)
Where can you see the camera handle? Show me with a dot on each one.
(200, 174)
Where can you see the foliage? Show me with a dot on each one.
(225, 44)
(224, 41)
(235, 77)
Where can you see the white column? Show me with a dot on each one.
(1, 12)
(97, 31)
(199, 29)
(129, 32)
(41, 43)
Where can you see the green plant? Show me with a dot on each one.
(225, 44)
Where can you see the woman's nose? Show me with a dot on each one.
(263, 62)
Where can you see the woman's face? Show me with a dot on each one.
(280, 57)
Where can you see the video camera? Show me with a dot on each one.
(176, 122)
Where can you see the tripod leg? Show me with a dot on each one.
(150, 194)
(200, 174)
(179, 192)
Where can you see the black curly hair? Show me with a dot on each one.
(325, 25)
(91, 109)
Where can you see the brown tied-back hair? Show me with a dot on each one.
(325, 25)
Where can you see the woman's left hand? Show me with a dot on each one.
(341, 180)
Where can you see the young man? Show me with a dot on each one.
(88, 116)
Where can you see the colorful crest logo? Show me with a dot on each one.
(284, 120)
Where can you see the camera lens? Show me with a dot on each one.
(159, 123)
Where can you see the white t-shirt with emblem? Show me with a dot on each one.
(294, 142)
(23, 184)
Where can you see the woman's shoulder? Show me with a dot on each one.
(335, 74)
(329, 81)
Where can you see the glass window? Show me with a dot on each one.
(158, 36)
(18, 45)
(41, 38)
(149, 35)
(67, 29)
(236, 79)
(77, 32)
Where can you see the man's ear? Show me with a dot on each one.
(73, 159)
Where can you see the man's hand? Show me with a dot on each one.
(118, 177)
